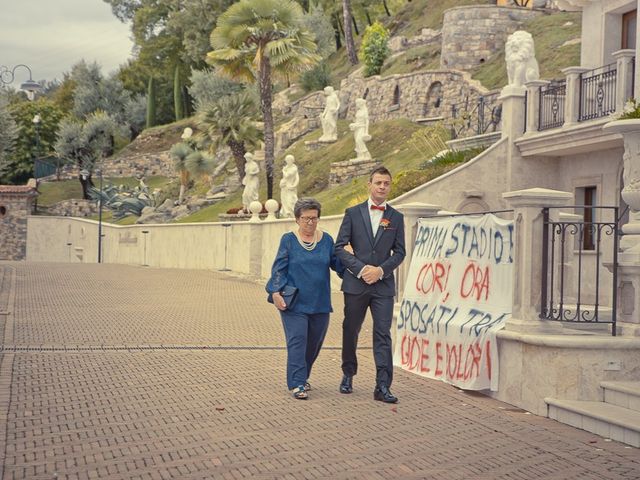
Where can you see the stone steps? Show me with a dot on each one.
(616, 417)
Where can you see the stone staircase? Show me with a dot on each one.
(616, 417)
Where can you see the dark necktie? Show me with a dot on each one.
(377, 207)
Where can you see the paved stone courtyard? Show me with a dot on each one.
(123, 372)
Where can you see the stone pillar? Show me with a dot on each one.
(527, 267)
(513, 122)
(533, 104)
(512, 99)
(412, 213)
(629, 259)
(16, 204)
(572, 100)
(630, 130)
(624, 77)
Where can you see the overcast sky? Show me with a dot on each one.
(52, 35)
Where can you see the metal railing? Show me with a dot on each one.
(598, 92)
(475, 118)
(551, 108)
(572, 289)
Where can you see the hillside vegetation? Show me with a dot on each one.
(554, 36)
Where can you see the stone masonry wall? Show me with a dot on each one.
(73, 208)
(470, 35)
(14, 210)
(412, 95)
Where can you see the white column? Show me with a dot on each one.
(624, 80)
(512, 99)
(533, 104)
(527, 268)
(572, 100)
(513, 122)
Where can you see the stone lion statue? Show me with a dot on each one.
(522, 65)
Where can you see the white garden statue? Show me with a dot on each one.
(250, 181)
(289, 187)
(360, 129)
(522, 66)
(329, 118)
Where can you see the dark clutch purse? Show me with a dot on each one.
(289, 294)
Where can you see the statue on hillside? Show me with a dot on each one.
(289, 187)
(360, 129)
(250, 181)
(522, 66)
(329, 116)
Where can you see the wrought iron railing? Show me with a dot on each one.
(573, 287)
(551, 108)
(475, 118)
(598, 92)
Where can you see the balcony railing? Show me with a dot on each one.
(598, 93)
(584, 95)
(551, 106)
(475, 118)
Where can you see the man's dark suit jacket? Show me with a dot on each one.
(385, 250)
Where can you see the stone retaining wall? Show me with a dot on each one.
(472, 34)
(342, 172)
(73, 208)
(413, 95)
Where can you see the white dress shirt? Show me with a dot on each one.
(375, 215)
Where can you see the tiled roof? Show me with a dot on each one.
(17, 189)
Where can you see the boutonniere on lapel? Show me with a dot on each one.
(385, 223)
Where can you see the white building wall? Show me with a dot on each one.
(603, 21)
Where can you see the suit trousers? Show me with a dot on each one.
(355, 309)
(305, 334)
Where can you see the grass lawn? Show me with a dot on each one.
(391, 143)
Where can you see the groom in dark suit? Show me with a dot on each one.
(375, 232)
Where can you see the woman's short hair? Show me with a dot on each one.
(307, 203)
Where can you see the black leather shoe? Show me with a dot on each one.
(346, 386)
(383, 394)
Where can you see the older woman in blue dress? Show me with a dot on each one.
(304, 259)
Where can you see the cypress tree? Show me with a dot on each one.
(151, 103)
(178, 101)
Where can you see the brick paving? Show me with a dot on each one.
(126, 372)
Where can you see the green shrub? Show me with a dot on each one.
(317, 78)
(451, 158)
(374, 48)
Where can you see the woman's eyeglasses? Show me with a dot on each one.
(309, 219)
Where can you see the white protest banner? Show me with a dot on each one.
(457, 295)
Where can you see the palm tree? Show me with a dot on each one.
(348, 35)
(231, 120)
(199, 164)
(179, 152)
(255, 36)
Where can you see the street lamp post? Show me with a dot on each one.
(36, 125)
(99, 172)
(7, 76)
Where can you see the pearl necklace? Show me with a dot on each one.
(308, 246)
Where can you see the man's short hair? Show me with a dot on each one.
(382, 170)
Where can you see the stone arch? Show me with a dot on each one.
(472, 205)
(396, 95)
(434, 99)
(3, 210)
